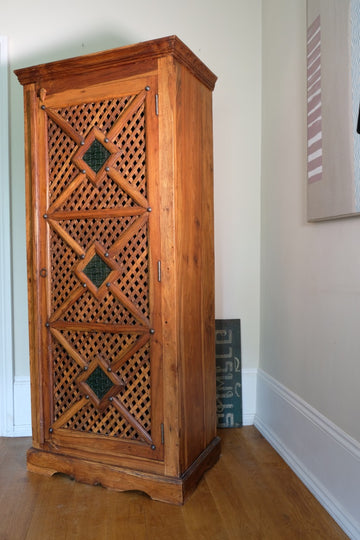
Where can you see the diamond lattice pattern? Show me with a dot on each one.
(70, 191)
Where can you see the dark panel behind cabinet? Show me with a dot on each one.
(228, 373)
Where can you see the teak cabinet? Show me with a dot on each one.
(121, 268)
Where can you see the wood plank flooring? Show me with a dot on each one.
(250, 494)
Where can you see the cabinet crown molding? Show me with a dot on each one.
(147, 50)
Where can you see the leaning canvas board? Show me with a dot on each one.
(228, 373)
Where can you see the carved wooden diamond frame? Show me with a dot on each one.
(118, 384)
(97, 249)
(95, 177)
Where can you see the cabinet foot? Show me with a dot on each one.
(159, 487)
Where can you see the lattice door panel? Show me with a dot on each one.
(100, 316)
(74, 407)
(107, 194)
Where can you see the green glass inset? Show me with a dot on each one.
(99, 382)
(97, 270)
(96, 156)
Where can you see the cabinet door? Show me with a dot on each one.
(98, 250)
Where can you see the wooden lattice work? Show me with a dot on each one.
(119, 176)
(99, 255)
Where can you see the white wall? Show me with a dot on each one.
(226, 36)
(6, 367)
(310, 285)
(308, 397)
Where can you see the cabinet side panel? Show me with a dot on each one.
(195, 263)
(167, 144)
(208, 270)
(31, 168)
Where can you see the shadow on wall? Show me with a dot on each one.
(85, 44)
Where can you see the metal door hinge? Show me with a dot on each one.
(159, 271)
(162, 433)
(157, 104)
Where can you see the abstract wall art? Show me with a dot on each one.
(333, 97)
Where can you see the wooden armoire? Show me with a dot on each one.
(119, 180)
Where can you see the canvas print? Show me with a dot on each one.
(228, 373)
(333, 97)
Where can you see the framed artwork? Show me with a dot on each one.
(333, 97)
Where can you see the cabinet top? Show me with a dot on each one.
(157, 48)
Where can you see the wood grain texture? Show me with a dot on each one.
(194, 247)
(250, 494)
(169, 297)
(120, 179)
(159, 487)
(113, 60)
(31, 167)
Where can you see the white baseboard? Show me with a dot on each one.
(248, 376)
(325, 458)
(22, 408)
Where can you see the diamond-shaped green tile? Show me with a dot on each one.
(99, 382)
(96, 156)
(97, 270)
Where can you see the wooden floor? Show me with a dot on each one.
(250, 494)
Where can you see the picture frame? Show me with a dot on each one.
(333, 97)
